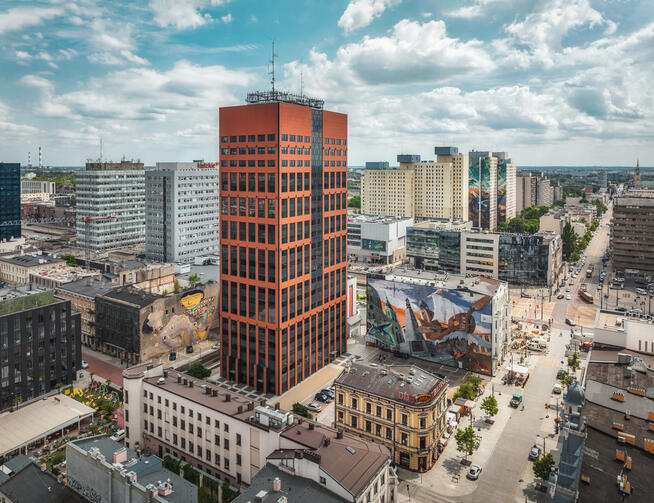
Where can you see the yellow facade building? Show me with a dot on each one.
(402, 407)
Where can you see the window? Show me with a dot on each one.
(378, 411)
(238, 435)
(226, 463)
(354, 403)
(423, 422)
(405, 439)
(226, 444)
(323, 480)
(368, 408)
(389, 433)
(389, 414)
(368, 427)
(238, 460)
(353, 422)
(405, 419)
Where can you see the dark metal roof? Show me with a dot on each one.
(296, 489)
(32, 485)
(131, 295)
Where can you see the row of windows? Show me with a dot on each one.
(270, 163)
(249, 138)
(284, 137)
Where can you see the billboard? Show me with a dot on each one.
(373, 244)
(448, 326)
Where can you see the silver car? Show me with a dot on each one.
(473, 473)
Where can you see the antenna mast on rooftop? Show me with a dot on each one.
(272, 62)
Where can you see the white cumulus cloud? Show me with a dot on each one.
(360, 13)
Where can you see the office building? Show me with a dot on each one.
(283, 239)
(39, 344)
(419, 189)
(402, 407)
(232, 437)
(16, 271)
(423, 243)
(181, 211)
(492, 183)
(110, 205)
(454, 320)
(37, 187)
(526, 192)
(137, 326)
(10, 226)
(632, 233)
(101, 469)
(82, 294)
(375, 239)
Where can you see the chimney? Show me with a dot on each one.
(240, 409)
(185, 381)
(339, 434)
(311, 426)
(228, 397)
(207, 390)
(277, 406)
(214, 392)
(327, 441)
(179, 379)
(165, 373)
(250, 406)
(277, 484)
(190, 383)
(120, 456)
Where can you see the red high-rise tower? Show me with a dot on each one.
(283, 190)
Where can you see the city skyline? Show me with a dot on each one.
(528, 77)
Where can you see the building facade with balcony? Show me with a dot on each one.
(401, 407)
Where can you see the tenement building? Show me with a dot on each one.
(39, 344)
(402, 407)
(181, 211)
(632, 233)
(111, 205)
(283, 191)
(232, 437)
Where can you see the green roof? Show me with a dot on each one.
(26, 302)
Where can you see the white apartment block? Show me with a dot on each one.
(388, 192)
(419, 189)
(37, 187)
(181, 212)
(115, 192)
(231, 436)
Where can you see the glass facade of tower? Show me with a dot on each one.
(10, 207)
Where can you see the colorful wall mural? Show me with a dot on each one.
(178, 321)
(447, 326)
(479, 179)
(501, 191)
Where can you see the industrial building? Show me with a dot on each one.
(181, 211)
(283, 239)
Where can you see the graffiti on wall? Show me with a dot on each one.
(479, 181)
(179, 321)
(501, 191)
(452, 327)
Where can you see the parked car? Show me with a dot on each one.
(534, 453)
(118, 436)
(567, 288)
(557, 389)
(215, 346)
(316, 407)
(329, 392)
(172, 356)
(189, 349)
(322, 398)
(473, 473)
(516, 400)
(621, 309)
(84, 364)
(568, 321)
(560, 296)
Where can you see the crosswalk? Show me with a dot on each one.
(426, 495)
(550, 363)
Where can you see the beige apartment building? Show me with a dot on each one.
(419, 189)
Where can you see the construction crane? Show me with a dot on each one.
(87, 247)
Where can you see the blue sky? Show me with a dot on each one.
(553, 82)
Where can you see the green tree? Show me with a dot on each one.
(73, 200)
(543, 467)
(301, 410)
(594, 226)
(70, 260)
(354, 202)
(176, 286)
(569, 239)
(489, 406)
(475, 381)
(466, 390)
(193, 279)
(164, 292)
(573, 361)
(171, 464)
(566, 379)
(227, 493)
(601, 207)
(199, 371)
(465, 441)
(204, 496)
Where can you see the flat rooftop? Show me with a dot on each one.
(32, 260)
(88, 287)
(31, 484)
(407, 274)
(375, 219)
(442, 225)
(392, 382)
(18, 300)
(149, 470)
(39, 419)
(131, 295)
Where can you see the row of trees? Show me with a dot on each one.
(573, 245)
(527, 223)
